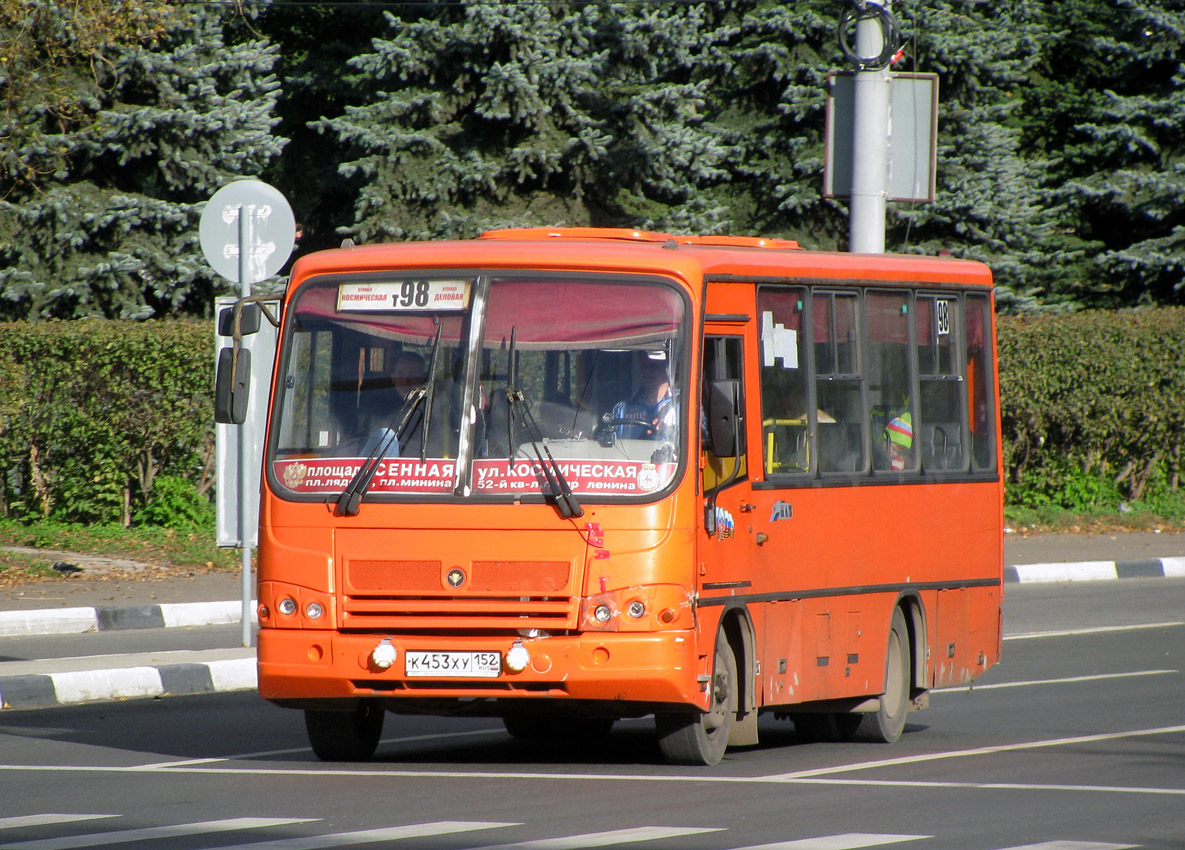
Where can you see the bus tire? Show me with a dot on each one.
(701, 737)
(345, 735)
(886, 724)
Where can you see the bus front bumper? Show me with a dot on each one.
(303, 664)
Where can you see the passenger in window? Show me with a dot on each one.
(382, 408)
(653, 407)
(899, 437)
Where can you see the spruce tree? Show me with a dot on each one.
(101, 200)
(1109, 111)
(486, 114)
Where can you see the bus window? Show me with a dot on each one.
(838, 382)
(890, 382)
(941, 408)
(722, 362)
(979, 382)
(786, 428)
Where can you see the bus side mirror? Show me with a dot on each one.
(232, 385)
(724, 418)
(248, 320)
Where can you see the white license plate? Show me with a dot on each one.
(466, 665)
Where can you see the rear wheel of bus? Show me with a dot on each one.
(701, 737)
(345, 735)
(886, 724)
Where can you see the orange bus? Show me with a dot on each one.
(564, 477)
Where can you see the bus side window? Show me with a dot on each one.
(838, 382)
(890, 380)
(941, 408)
(722, 362)
(786, 429)
(980, 401)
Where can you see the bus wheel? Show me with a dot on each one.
(701, 737)
(345, 735)
(886, 724)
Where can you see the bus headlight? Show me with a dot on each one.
(383, 655)
(314, 610)
(287, 606)
(517, 657)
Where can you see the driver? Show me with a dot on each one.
(654, 403)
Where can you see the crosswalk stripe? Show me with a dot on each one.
(604, 839)
(46, 820)
(846, 841)
(345, 839)
(1074, 845)
(151, 833)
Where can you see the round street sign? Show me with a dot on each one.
(271, 231)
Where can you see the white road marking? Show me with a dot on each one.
(979, 751)
(821, 776)
(46, 820)
(604, 839)
(1073, 845)
(306, 749)
(1068, 680)
(152, 833)
(1094, 630)
(847, 841)
(367, 836)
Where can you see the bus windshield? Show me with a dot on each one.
(481, 386)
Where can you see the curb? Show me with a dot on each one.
(1095, 570)
(72, 621)
(47, 690)
(69, 621)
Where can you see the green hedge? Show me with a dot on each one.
(1093, 406)
(113, 421)
(104, 420)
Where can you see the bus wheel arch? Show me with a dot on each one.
(691, 736)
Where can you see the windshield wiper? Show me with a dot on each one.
(565, 499)
(428, 395)
(350, 500)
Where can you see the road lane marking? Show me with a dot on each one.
(46, 820)
(819, 776)
(605, 839)
(368, 836)
(786, 779)
(974, 686)
(1094, 630)
(1074, 845)
(152, 833)
(410, 739)
(978, 751)
(847, 841)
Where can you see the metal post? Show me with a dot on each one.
(870, 143)
(245, 435)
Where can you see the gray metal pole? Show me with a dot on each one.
(245, 435)
(870, 145)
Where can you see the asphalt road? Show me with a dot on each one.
(1075, 742)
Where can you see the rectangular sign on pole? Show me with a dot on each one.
(913, 136)
(262, 346)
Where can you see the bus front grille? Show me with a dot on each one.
(425, 595)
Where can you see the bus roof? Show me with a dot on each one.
(740, 258)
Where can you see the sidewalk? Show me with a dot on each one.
(116, 594)
(110, 594)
